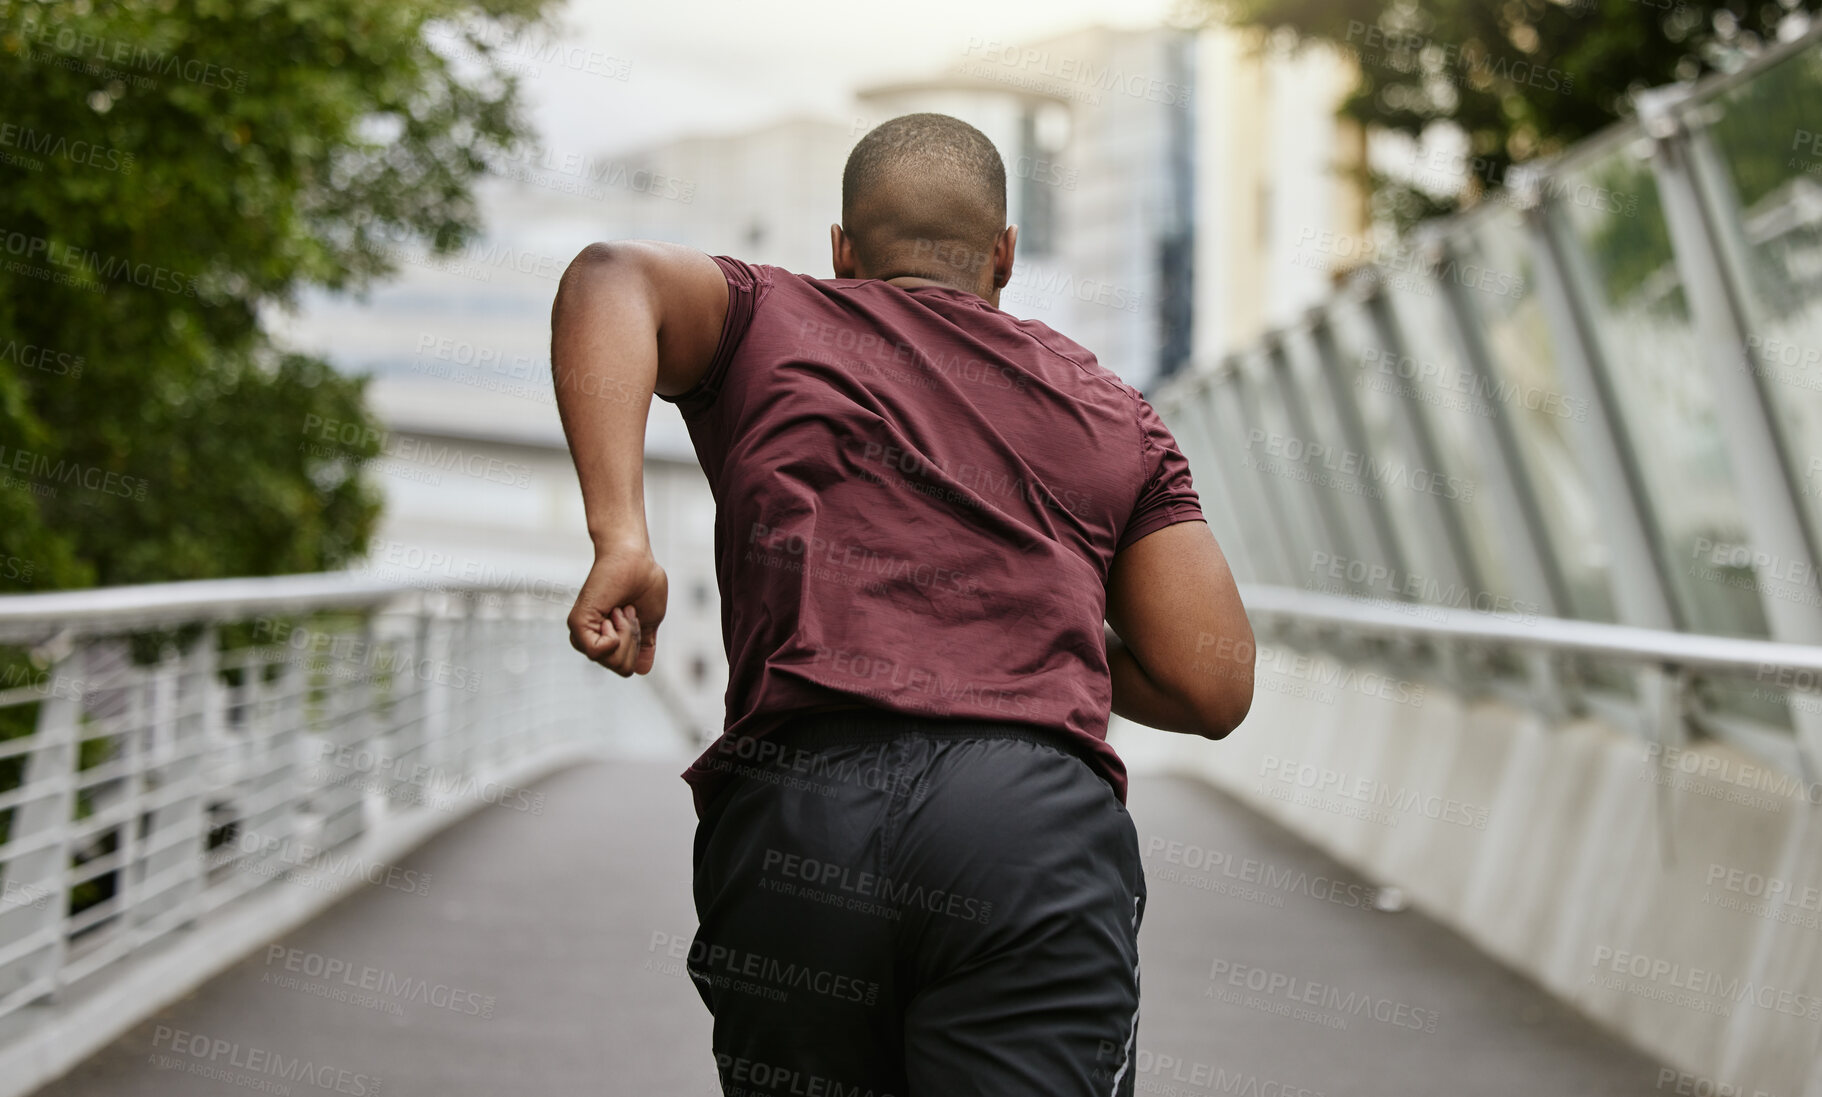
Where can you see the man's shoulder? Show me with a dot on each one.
(1065, 347)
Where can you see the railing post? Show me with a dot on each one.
(1227, 419)
(1534, 571)
(1214, 478)
(1530, 555)
(1663, 699)
(1353, 428)
(43, 824)
(1750, 429)
(181, 764)
(1328, 511)
(1641, 592)
(1443, 525)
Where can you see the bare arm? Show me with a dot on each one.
(630, 319)
(1181, 648)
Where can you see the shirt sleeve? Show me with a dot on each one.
(1168, 495)
(747, 286)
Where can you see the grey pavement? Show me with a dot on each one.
(540, 962)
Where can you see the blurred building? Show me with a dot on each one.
(1096, 129)
(1173, 189)
(1278, 208)
(1168, 184)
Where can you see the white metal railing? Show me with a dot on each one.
(168, 750)
(1595, 395)
(1799, 666)
(1663, 666)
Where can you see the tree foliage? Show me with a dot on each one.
(1519, 78)
(171, 171)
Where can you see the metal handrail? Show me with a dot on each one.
(150, 772)
(1714, 654)
(119, 609)
(33, 617)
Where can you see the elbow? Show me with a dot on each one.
(1218, 715)
(599, 272)
(600, 260)
(590, 263)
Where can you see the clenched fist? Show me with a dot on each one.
(616, 616)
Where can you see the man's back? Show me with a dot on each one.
(919, 498)
(949, 543)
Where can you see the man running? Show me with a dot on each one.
(948, 542)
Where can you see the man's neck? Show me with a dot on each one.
(913, 281)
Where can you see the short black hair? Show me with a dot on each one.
(923, 185)
(924, 143)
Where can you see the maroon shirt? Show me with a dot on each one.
(918, 498)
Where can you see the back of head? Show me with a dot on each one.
(924, 194)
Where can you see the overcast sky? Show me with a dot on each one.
(713, 66)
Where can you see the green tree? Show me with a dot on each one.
(1519, 78)
(171, 171)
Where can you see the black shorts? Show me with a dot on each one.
(903, 906)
